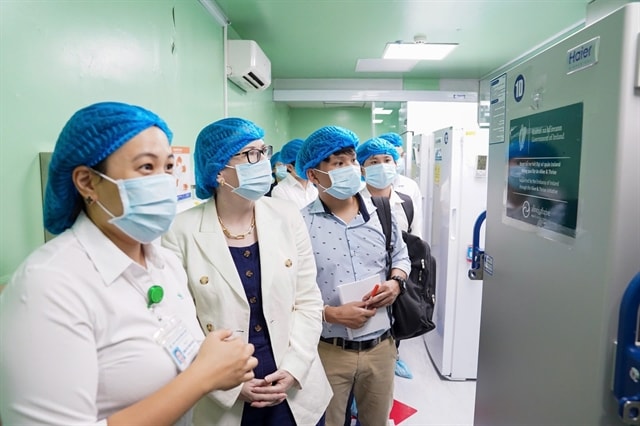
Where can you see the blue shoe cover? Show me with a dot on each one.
(402, 370)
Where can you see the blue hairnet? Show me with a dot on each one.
(91, 135)
(320, 145)
(375, 146)
(289, 151)
(275, 158)
(394, 138)
(215, 146)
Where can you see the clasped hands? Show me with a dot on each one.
(271, 390)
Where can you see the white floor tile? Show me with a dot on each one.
(440, 402)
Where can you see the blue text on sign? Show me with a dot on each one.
(583, 56)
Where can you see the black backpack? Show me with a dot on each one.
(421, 283)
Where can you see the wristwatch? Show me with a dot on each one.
(402, 282)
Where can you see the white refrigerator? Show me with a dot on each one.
(563, 227)
(459, 184)
(421, 154)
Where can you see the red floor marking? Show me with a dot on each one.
(401, 412)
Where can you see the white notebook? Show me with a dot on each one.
(355, 291)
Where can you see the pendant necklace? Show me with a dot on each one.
(237, 236)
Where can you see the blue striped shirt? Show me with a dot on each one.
(348, 252)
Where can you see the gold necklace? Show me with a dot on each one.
(237, 236)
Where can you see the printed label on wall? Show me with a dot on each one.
(544, 169)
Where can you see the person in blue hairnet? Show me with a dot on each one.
(293, 187)
(278, 172)
(349, 245)
(378, 159)
(405, 185)
(89, 321)
(251, 269)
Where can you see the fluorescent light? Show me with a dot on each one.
(418, 51)
(382, 111)
(384, 65)
(214, 10)
(377, 121)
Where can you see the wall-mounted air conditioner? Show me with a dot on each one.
(248, 66)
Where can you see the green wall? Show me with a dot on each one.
(304, 121)
(58, 56)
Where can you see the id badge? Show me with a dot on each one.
(177, 341)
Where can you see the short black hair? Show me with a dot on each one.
(345, 150)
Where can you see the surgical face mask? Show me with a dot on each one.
(148, 206)
(345, 182)
(380, 175)
(400, 165)
(281, 172)
(254, 180)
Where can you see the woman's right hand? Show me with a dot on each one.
(224, 362)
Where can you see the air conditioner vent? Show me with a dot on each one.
(249, 67)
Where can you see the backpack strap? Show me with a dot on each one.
(407, 206)
(384, 214)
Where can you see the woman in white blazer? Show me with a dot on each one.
(251, 269)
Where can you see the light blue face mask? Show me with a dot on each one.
(254, 180)
(345, 182)
(281, 172)
(148, 205)
(380, 175)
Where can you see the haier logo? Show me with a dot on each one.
(583, 56)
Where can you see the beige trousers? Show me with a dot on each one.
(369, 372)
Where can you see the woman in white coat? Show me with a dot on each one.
(88, 321)
(251, 269)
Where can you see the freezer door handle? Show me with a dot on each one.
(626, 380)
(477, 256)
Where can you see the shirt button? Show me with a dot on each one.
(258, 328)
(209, 327)
(253, 299)
(248, 274)
(288, 263)
(246, 253)
(204, 280)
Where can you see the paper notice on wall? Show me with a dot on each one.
(182, 171)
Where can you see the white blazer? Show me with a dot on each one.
(292, 302)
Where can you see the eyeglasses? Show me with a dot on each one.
(254, 155)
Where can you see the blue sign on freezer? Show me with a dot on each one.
(544, 169)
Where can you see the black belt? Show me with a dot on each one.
(354, 345)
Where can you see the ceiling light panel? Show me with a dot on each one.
(418, 51)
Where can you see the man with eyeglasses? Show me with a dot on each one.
(251, 269)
